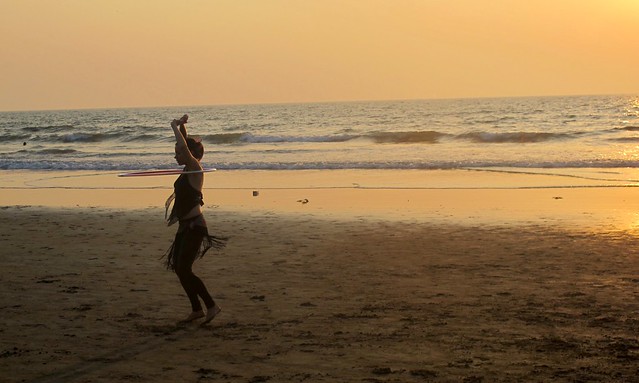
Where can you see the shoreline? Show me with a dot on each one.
(585, 199)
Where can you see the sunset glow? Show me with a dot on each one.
(81, 54)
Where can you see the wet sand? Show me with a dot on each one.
(495, 285)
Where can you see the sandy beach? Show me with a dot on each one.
(327, 277)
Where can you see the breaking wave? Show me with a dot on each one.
(515, 137)
(409, 137)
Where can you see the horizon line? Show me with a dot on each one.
(311, 102)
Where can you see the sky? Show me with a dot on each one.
(75, 54)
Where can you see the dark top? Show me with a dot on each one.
(185, 198)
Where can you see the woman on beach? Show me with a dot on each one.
(192, 239)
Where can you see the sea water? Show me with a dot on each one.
(515, 133)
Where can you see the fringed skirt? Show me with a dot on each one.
(192, 229)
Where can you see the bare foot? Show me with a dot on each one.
(211, 313)
(183, 120)
(194, 315)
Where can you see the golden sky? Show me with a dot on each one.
(67, 54)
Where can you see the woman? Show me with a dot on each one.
(192, 239)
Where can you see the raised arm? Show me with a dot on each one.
(181, 146)
(180, 131)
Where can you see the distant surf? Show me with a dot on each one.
(547, 132)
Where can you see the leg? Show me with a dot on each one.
(181, 265)
(193, 286)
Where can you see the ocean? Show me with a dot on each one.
(516, 133)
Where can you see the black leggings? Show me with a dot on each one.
(185, 250)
